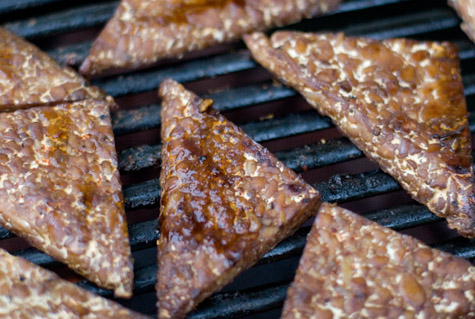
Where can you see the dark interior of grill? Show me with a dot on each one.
(270, 113)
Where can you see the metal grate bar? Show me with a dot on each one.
(407, 25)
(469, 84)
(65, 21)
(146, 117)
(189, 71)
(240, 303)
(7, 6)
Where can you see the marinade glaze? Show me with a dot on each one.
(225, 201)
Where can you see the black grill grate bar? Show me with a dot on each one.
(8, 6)
(350, 6)
(469, 84)
(72, 54)
(95, 15)
(146, 117)
(185, 72)
(407, 25)
(64, 21)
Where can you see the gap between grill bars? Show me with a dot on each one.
(44, 21)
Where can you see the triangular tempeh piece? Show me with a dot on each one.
(60, 189)
(226, 201)
(30, 77)
(466, 10)
(145, 31)
(400, 101)
(354, 268)
(29, 291)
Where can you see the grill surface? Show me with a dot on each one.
(269, 113)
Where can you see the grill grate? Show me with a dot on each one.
(66, 29)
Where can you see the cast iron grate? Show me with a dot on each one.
(53, 23)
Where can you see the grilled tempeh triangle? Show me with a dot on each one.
(400, 101)
(30, 77)
(29, 291)
(225, 202)
(466, 10)
(145, 31)
(60, 189)
(354, 268)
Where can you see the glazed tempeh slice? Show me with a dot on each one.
(29, 77)
(29, 291)
(225, 202)
(354, 268)
(145, 31)
(466, 10)
(400, 101)
(60, 189)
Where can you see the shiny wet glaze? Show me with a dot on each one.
(225, 201)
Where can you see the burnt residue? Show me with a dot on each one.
(320, 154)
(342, 188)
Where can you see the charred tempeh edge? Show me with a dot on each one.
(226, 201)
(354, 268)
(466, 10)
(29, 77)
(60, 189)
(400, 101)
(145, 31)
(29, 291)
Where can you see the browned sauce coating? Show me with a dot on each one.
(400, 101)
(29, 291)
(60, 189)
(466, 10)
(145, 31)
(354, 268)
(225, 201)
(29, 77)
(183, 11)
